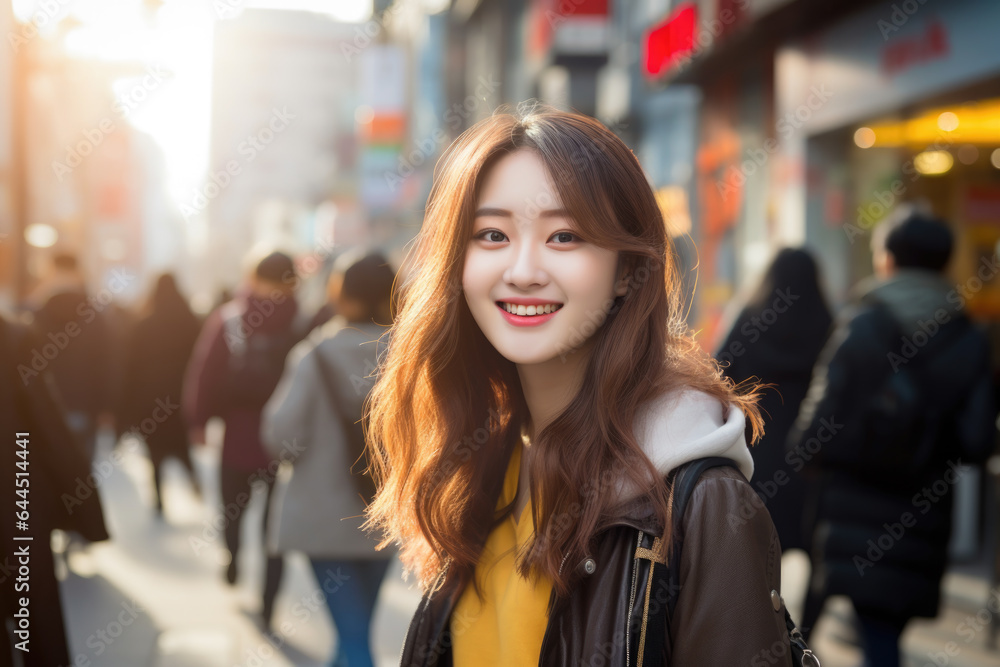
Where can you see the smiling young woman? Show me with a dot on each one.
(539, 387)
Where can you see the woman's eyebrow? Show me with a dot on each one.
(491, 212)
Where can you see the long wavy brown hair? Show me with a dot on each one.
(447, 407)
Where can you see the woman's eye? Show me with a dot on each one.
(565, 237)
(491, 235)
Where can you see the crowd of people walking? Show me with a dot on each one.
(862, 419)
(160, 374)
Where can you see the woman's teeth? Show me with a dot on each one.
(516, 309)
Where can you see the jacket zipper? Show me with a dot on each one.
(565, 556)
(631, 602)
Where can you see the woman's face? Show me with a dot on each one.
(526, 256)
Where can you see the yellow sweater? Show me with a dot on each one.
(506, 630)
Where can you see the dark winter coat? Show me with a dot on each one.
(156, 354)
(884, 518)
(47, 484)
(62, 493)
(777, 339)
(73, 336)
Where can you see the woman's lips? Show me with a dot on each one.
(526, 320)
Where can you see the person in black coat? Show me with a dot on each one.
(73, 330)
(59, 492)
(900, 400)
(156, 355)
(777, 338)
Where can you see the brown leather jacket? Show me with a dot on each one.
(729, 610)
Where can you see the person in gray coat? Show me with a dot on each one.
(319, 508)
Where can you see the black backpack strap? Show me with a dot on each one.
(685, 479)
(664, 571)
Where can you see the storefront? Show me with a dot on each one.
(908, 112)
(701, 125)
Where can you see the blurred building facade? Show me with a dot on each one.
(790, 92)
(8, 220)
(759, 123)
(91, 184)
(743, 114)
(284, 95)
(76, 175)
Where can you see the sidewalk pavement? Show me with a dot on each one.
(155, 596)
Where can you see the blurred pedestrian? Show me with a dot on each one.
(900, 398)
(311, 418)
(120, 321)
(44, 481)
(74, 334)
(156, 354)
(776, 339)
(236, 364)
(538, 396)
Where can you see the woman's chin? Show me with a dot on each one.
(534, 357)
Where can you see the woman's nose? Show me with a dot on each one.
(525, 269)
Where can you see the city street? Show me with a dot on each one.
(156, 597)
(147, 598)
(306, 232)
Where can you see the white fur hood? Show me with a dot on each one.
(688, 424)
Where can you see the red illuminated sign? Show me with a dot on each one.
(905, 53)
(667, 43)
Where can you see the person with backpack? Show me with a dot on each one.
(236, 364)
(899, 400)
(564, 468)
(318, 406)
